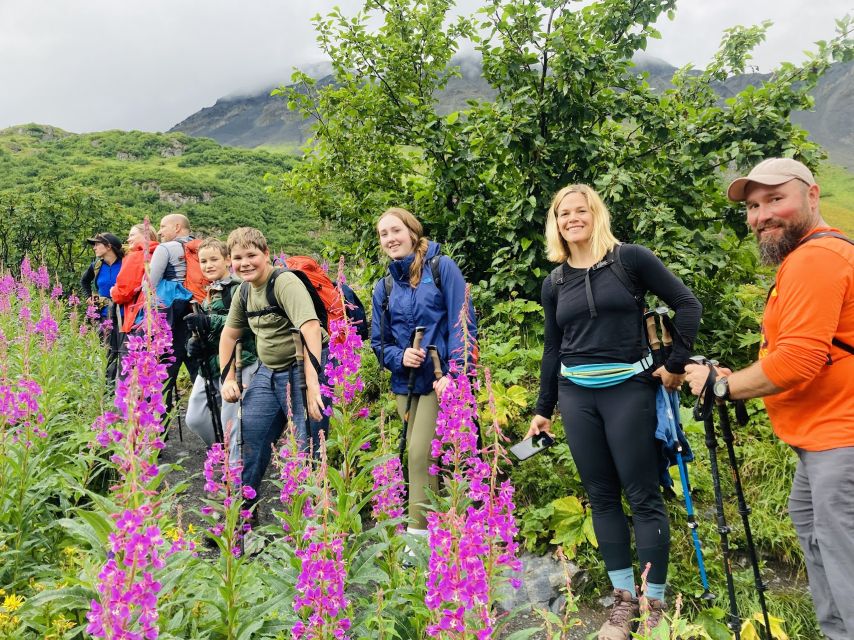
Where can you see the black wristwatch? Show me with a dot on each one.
(721, 388)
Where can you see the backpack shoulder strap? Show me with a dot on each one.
(826, 234)
(243, 294)
(270, 290)
(556, 276)
(228, 294)
(435, 271)
(623, 276)
(388, 284)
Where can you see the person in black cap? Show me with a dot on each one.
(103, 271)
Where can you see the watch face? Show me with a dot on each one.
(721, 388)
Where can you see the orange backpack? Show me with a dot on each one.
(326, 290)
(325, 296)
(194, 280)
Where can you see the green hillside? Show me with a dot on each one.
(837, 197)
(72, 185)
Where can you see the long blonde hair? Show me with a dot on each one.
(601, 239)
(419, 241)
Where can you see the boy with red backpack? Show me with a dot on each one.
(278, 379)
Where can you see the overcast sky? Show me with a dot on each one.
(90, 65)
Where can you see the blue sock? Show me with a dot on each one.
(655, 591)
(623, 579)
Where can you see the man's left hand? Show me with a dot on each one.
(697, 374)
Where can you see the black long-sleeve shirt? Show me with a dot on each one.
(573, 337)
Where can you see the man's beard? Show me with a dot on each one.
(774, 251)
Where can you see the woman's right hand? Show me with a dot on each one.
(413, 358)
(540, 424)
(230, 391)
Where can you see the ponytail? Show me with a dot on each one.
(418, 264)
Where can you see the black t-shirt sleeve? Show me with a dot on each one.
(550, 364)
(662, 282)
(86, 281)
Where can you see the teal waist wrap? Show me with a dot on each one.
(597, 376)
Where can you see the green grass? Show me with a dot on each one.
(837, 196)
(107, 180)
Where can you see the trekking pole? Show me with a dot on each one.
(703, 410)
(211, 393)
(652, 339)
(672, 404)
(410, 385)
(238, 376)
(303, 385)
(437, 362)
(744, 511)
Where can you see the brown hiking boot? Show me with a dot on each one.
(655, 616)
(620, 622)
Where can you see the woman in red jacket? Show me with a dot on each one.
(128, 288)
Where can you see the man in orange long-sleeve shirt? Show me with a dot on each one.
(805, 372)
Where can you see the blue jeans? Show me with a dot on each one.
(265, 414)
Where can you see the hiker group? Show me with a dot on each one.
(254, 337)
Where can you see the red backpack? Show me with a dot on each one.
(194, 281)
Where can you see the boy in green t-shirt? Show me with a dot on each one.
(205, 328)
(265, 407)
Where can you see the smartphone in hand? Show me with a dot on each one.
(532, 446)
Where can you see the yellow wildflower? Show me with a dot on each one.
(12, 602)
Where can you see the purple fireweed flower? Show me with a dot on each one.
(456, 434)
(320, 602)
(295, 470)
(47, 327)
(389, 490)
(56, 292)
(73, 300)
(40, 278)
(474, 541)
(223, 483)
(342, 368)
(92, 313)
(19, 408)
(127, 604)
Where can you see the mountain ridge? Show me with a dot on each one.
(263, 120)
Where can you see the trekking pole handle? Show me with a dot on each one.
(666, 338)
(652, 334)
(300, 355)
(419, 336)
(238, 364)
(437, 362)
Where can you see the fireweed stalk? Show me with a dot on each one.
(229, 523)
(472, 543)
(387, 500)
(344, 388)
(22, 433)
(320, 602)
(126, 606)
(295, 474)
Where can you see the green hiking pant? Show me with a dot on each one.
(420, 433)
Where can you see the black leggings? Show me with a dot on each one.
(611, 434)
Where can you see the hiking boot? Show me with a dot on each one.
(621, 619)
(655, 616)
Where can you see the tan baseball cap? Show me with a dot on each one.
(772, 171)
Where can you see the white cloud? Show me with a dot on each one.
(87, 65)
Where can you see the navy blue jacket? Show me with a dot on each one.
(437, 311)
